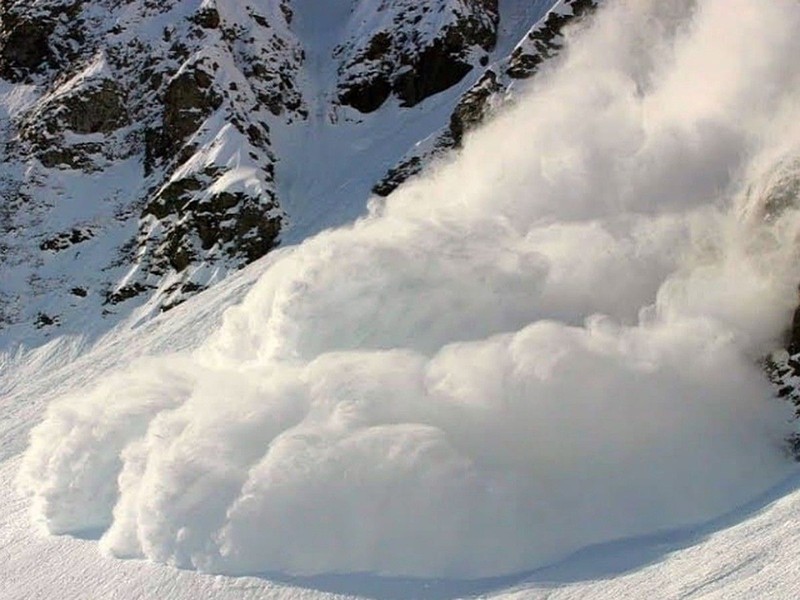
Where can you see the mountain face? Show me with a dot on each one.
(150, 148)
(541, 352)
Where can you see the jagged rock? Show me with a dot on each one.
(471, 110)
(397, 175)
(188, 101)
(76, 156)
(96, 110)
(28, 40)
(64, 240)
(179, 293)
(417, 54)
(435, 69)
(95, 106)
(208, 17)
(473, 106)
(543, 42)
(546, 39)
(783, 370)
(24, 44)
(125, 292)
(175, 195)
(44, 320)
(165, 120)
(367, 93)
(239, 226)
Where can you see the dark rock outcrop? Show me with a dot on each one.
(203, 226)
(96, 106)
(24, 43)
(416, 56)
(543, 42)
(66, 239)
(188, 101)
(435, 69)
(398, 175)
(473, 107)
(97, 109)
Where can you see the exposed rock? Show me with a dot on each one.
(367, 95)
(783, 369)
(44, 320)
(188, 101)
(546, 39)
(95, 106)
(417, 54)
(159, 118)
(471, 110)
(24, 44)
(75, 156)
(208, 17)
(176, 194)
(125, 292)
(436, 68)
(543, 42)
(35, 36)
(179, 293)
(199, 226)
(64, 240)
(100, 109)
(473, 106)
(397, 175)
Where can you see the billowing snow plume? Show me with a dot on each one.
(549, 342)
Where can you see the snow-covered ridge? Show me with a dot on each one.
(493, 89)
(412, 49)
(185, 139)
(548, 342)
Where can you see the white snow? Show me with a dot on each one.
(329, 162)
(536, 364)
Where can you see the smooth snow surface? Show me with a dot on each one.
(433, 392)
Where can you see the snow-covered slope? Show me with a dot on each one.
(533, 372)
(138, 159)
(748, 553)
(150, 149)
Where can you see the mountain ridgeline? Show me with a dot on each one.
(148, 146)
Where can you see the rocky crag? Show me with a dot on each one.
(151, 148)
(139, 161)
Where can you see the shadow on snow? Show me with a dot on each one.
(600, 561)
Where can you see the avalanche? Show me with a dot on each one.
(531, 372)
(547, 342)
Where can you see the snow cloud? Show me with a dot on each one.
(547, 342)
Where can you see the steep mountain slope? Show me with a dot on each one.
(534, 371)
(749, 553)
(548, 342)
(492, 89)
(152, 148)
(139, 159)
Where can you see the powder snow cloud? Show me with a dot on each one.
(548, 341)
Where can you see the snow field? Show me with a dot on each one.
(546, 343)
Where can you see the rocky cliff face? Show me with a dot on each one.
(414, 50)
(172, 97)
(149, 148)
(542, 42)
